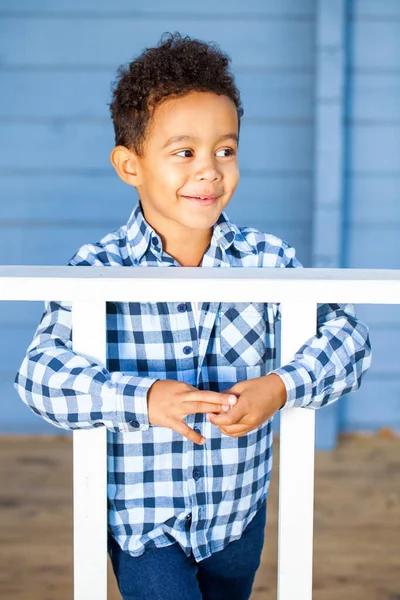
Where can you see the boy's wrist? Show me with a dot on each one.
(298, 382)
(279, 392)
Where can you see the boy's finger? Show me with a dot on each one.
(194, 407)
(235, 429)
(181, 427)
(230, 418)
(207, 396)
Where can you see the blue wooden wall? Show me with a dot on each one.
(319, 150)
(371, 224)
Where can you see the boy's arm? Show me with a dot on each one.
(331, 363)
(328, 365)
(72, 391)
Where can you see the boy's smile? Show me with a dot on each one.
(188, 172)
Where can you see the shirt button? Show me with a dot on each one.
(182, 307)
(196, 429)
(196, 474)
(154, 241)
(189, 517)
(134, 424)
(187, 349)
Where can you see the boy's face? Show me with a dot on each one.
(204, 163)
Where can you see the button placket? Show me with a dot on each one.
(196, 473)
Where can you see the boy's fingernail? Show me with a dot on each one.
(203, 440)
(225, 407)
(232, 399)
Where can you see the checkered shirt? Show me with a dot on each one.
(162, 488)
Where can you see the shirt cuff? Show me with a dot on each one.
(132, 410)
(298, 383)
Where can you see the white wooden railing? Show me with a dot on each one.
(297, 290)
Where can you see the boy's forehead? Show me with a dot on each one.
(195, 116)
(194, 138)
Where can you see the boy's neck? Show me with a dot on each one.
(186, 246)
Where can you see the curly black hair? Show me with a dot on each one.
(176, 66)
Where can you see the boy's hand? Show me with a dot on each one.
(170, 401)
(258, 400)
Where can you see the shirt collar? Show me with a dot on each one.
(226, 234)
(141, 235)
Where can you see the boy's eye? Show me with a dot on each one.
(180, 152)
(229, 150)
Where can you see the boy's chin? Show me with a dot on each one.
(201, 218)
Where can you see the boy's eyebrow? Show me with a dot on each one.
(181, 138)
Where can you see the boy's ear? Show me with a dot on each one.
(125, 162)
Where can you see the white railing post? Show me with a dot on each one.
(90, 468)
(296, 468)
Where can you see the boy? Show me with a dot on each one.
(189, 392)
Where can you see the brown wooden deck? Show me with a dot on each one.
(357, 522)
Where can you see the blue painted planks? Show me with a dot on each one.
(374, 406)
(68, 199)
(375, 97)
(374, 9)
(372, 220)
(225, 8)
(373, 247)
(79, 42)
(381, 55)
(375, 149)
(380, 316)
(44, 245)
(374, 199)
(328, 162)
(54, 95)
(262, 148)
(22, 315)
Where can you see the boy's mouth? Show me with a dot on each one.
(202, 200)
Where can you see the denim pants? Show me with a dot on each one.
(168, 574)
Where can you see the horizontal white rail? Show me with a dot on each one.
(144, 284)
(297, 290)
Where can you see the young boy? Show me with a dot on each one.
(189, 392)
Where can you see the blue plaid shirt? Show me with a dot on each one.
(162, 488)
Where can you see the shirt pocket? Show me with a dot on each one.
(242, 334)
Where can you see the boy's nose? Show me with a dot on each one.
(209, 175)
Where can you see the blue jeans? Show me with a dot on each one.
(168, 574)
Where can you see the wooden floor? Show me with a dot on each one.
(357, 522)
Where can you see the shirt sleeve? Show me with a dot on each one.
(70, 390)
(331, 363)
